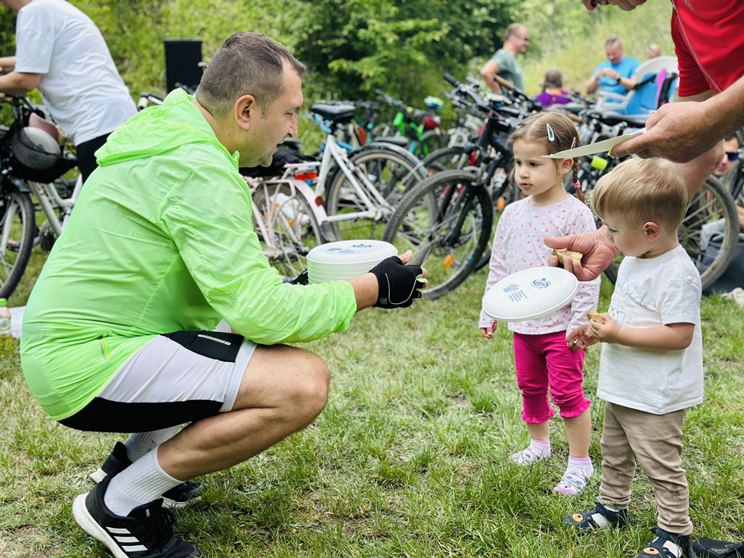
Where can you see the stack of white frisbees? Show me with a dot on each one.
(530, 294)
(346, 259)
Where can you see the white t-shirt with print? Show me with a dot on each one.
(649, 293)
(79, 82)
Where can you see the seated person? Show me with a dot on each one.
(553, 92)
(616, 74)
(653, 51)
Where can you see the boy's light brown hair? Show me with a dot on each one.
(643, 190)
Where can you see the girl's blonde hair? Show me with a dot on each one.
(643, 190)
(556, 132)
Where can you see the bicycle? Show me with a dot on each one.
(451, 242)
(362, 189)
(420, 128)
(31, 164)
(286, 218)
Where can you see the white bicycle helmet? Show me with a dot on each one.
(36, 149)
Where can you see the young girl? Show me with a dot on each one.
(553, 93)
(542, 358)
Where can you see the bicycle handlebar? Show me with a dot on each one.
(451, 80)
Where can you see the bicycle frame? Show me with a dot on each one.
(374, 203)
(265, 223)
(47, 192)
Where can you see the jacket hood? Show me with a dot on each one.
(156, 130)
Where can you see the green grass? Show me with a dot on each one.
(408, 459)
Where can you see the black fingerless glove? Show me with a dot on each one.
(301, 279)
(398, 284)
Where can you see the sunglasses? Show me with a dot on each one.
(525, 39)
(732, 156)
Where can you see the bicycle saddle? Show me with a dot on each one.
(395, 140)
(574, 108)
(633, 120)
(335, 113)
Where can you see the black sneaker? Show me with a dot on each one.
(711, 548)
(146, 532)
(667, 545)
(176, 497)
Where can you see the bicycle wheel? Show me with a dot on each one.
(447, 158)
(711, 218)
(288, 228)
(433, 140)
(450, 242)
(16, 238)
(378, 172)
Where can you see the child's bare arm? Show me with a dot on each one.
(670, 337)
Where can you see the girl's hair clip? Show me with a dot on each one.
(551, 134)
(573, 143)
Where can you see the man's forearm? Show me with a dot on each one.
(7, 63)
(592, 84)
(366, 290)
(16, 83)
(725, 111)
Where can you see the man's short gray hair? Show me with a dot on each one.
(245, 64)
(513, 29)
(614, 41)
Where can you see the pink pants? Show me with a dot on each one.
(544, 361)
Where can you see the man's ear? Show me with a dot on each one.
(651, 230)
(246, 111)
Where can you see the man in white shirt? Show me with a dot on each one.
(61, 51)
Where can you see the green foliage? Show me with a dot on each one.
(401, 47)
(567, 36)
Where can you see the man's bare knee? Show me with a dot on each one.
(308, 396)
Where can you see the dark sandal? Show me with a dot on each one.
(598, 518)
(711, 548)
(667, 545)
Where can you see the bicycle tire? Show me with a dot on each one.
(711, 204)
(294, 228)
(410, 227)
(389, 171)
(446, 158)
(15, 255)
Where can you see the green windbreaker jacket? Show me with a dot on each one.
(161, 240)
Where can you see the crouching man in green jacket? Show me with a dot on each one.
(118, 332)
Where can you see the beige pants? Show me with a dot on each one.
(656, 440)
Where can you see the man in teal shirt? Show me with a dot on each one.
(118, 334)
(504, 63)
(616, 74)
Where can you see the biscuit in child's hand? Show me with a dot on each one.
(560, 254)
(595, 316)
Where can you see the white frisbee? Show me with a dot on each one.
(346, 259)
(530, 294)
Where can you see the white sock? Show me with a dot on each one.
(581, 465)
(140, 483)
(541, 448)
(140, 443)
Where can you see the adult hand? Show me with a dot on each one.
(398, 283)
(626, 5)
(488, 331)
(607, 330)
(597, 249)
(579, 340)
(679, 132)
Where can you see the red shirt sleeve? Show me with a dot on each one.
(691, 79)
